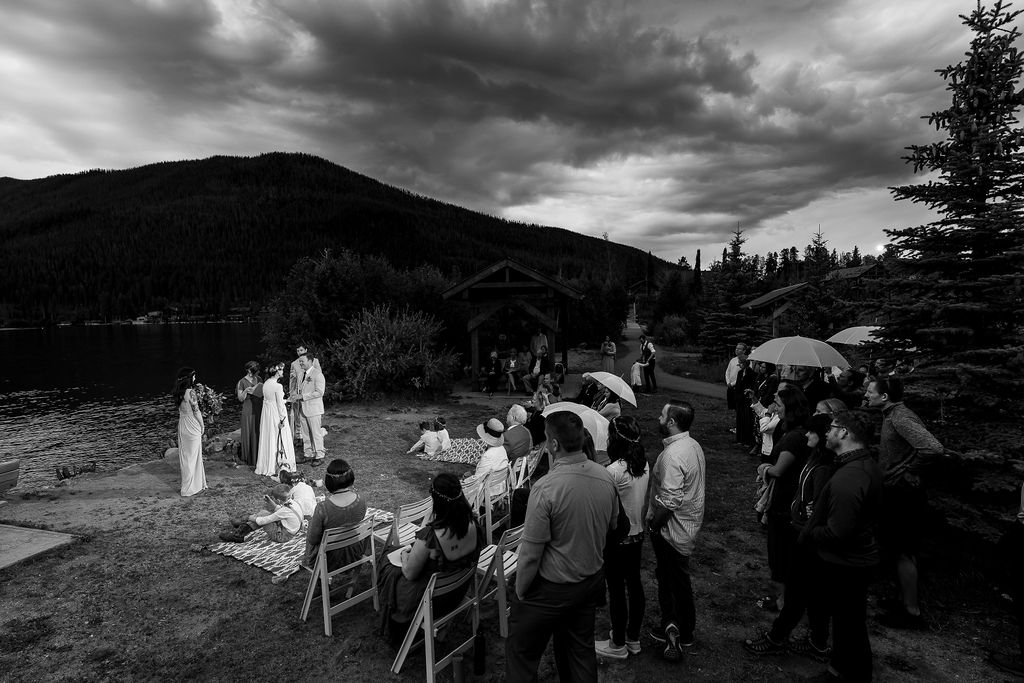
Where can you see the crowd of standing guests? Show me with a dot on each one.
(840, 505)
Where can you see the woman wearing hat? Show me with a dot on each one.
(495, 458)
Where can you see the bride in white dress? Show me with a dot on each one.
(274, 429)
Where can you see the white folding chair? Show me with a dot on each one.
(337, 539)
(497, 500)
(498, 563)
(407, 522)
(425, 622)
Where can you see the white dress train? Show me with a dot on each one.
(274, 411)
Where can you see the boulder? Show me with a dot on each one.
(171, 454)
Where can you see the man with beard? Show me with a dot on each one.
(806, 377)
(905, 449)
(842, 531)
(674, 517)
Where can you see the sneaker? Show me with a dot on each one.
(672, 651)
(632, 646)
(658, 636)
(606, 649)
(902, 619)
(764, 645)
(1008, 663)
(235, 536)
(806, 647)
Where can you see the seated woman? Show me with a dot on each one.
(341, 507)
(441, 427)
(450, 541)
(609, 406)
(512, 369)
(281, 518)
(429, 443)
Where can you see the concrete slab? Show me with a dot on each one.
(20, 543)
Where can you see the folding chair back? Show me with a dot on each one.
(499, 566)
(474, 490)
(498, 500)
(440, 584)
(408, 521)
(337, 539)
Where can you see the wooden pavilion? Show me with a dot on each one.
(508, 284)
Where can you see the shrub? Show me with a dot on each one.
(386, 352)
(671, 331)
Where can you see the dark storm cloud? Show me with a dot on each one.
(699, 114)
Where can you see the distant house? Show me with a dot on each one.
(852, 282)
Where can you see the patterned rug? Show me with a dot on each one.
(280, 559)
(464, 451)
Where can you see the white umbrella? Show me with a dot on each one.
(799, 351)
(854, 336)
(617, 385)
(595, 422)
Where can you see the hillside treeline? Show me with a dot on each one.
(206, 236)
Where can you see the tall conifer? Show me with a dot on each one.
(956, 290)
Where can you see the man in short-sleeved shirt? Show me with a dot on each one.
(674, 517)
(560, 577)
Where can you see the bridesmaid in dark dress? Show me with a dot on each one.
(250, 394)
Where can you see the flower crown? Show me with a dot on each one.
(615, 426)
(442, 496)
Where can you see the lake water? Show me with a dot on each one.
(72, 395)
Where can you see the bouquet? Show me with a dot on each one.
(210, 402)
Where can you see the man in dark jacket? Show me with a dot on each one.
(842, 530)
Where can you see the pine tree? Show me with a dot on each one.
(855, 258)
(725, 323)
(956, 294)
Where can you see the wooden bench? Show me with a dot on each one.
(9, 470)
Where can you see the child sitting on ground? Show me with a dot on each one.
(302, 493)
(441, 427)
(281, 519)
(429, 441)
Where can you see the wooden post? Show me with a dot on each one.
(474, 353)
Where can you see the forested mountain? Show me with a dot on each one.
(205, 236)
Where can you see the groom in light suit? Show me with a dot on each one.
(294, 379)
(310, 395)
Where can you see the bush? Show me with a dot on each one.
(385, 352)
(671, 331)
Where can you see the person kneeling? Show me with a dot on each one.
(281, 519)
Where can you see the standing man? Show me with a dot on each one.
(842, 531)
(905, 448)
(809, 380)
(560, 578)
(647, 362)
(294, 375)
(674, 517)
(732, 372)
(310, 396)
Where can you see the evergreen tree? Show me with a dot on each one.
(956, 292)
(725, 323)
(855, 258)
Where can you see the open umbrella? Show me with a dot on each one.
(595, 422)
(853, 336)
(799, 351)
(617, 385)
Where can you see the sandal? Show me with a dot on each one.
(764, 646)
(768, 603)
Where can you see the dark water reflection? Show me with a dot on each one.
(72, 395)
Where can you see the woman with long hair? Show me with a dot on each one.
(249, 392)
(628, 468)
(190, 433)
(276, 450)
(450, 541)
(342, 507)
(788, 456)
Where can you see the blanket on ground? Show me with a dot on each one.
(464, 451)
(280, 559)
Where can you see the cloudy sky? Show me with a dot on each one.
(665, 123)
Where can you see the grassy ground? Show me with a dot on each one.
(139, 598)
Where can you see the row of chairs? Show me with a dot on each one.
(490, 579)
